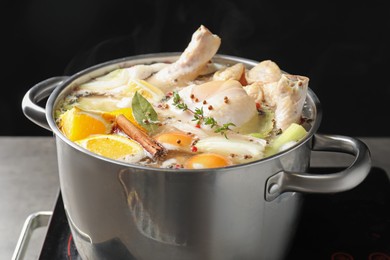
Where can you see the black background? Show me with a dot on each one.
(342, 48)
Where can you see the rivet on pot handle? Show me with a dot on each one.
(325, 183)
(38, 92)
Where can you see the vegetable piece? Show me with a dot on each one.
(110, 81)
(266, 125)
(144, 113)
(240, 149)
(293, 133)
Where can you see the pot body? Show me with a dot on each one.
(250, 211)
(215, 214)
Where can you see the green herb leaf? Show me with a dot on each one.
(210, 121)
(199, 111)
(198, 115)
(178, 103)
(224, 128)
(176, 98)
(144, 113)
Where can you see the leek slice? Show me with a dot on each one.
(266, 125)
(291, 135)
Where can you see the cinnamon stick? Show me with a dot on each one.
(151, 145)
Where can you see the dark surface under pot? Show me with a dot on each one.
(348, 225)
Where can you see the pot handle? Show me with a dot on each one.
(37, 93)
(325, 183)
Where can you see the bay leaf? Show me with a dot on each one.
(144, 113)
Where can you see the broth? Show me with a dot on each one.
(197, 114)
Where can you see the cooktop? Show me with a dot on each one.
(344, 226)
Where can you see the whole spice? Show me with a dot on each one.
(151, 146)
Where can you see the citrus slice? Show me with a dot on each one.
(77, 124)
(116, 147)
(147, 90)
(175, 141)
(206, 160)
(127, 112)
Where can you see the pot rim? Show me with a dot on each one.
(59, 92)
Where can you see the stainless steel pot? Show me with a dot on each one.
(250, 211)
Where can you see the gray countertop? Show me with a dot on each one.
(29, 181)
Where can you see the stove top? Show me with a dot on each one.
(343, 226)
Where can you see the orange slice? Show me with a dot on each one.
(116, 147)
(175, 141)
(77, 124)
(206, 160)
(127, 112)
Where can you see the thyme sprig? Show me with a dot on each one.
(199, 116)
(178, 102)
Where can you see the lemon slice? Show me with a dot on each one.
(77, 124)
(115, 147)
(147, 90)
